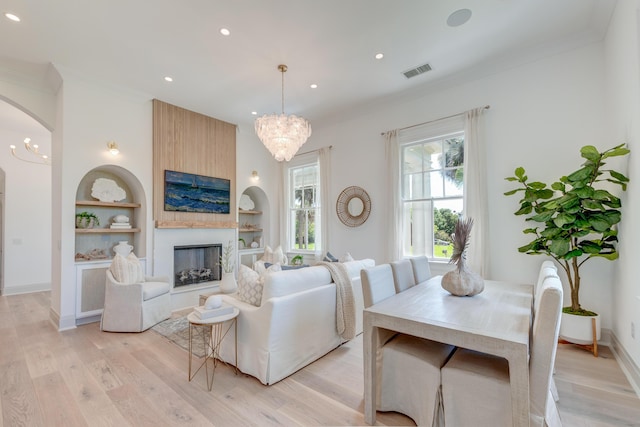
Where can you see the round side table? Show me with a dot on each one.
(213, 333)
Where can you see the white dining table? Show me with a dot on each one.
(496, 321)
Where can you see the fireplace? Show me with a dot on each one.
(194, 264)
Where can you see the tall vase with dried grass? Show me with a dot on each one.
(462, 281)
(228, 282)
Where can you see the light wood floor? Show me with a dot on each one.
(87, 377)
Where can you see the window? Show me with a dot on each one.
(432, 189)
(303, 183)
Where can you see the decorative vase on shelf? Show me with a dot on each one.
(123, 248)
(228, 283)
(462, 281)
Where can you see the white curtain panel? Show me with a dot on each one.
(475, 191)
(392, 151)
(283, 201)
(324, 160)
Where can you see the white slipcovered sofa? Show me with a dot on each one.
(295, 323)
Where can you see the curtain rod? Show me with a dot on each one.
(486, 107)
(313, 151)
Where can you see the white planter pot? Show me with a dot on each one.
(228, 283)
(578, 329)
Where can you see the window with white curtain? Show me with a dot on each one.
(303, 201)
(431, 187)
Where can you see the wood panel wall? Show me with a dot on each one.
(186, 141)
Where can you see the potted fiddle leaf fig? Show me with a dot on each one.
(574, 220)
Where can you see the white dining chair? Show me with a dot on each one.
(421, 268)
(408, 367)
(476, 388)
(547, 269)
(402, 275)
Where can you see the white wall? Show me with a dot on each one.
(622, 59)
(27, 214)
(91, 114)
(541, 114)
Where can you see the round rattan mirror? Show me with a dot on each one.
(353, 206)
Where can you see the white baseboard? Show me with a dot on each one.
(627, 364)
(26, 289)
(62, 324)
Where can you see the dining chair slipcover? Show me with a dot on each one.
(475, 386)
(421, 269)
(547, 269)
(408, 367)
(402, 275)
(377, 284)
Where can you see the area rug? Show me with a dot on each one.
(176, 330)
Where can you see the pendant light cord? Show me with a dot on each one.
(282, 70)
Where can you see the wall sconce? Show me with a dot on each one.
(113, 148)
(255, 176)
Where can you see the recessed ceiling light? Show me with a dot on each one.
(168, 79)
(379, 55)
(224, 31)
(255, 113)
(314, 86)
(459, 17)
(12, 17)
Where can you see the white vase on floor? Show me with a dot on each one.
(228, 283)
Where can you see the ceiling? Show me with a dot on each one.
(332, 43)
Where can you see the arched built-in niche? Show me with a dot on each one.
(254, 225)
(102, 237)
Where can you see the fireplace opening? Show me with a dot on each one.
(195, 264)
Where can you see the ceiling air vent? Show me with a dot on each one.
(417, 71)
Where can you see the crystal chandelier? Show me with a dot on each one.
(40, 159)
(282, 135)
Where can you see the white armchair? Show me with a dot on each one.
(135, 307)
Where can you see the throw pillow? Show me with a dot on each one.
(126, 270)
(274, 256)
(330, 258)
(285, 267)
(136, 267)
(346, 257)
(249, 286)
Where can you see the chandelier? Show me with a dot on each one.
(282, 135)
(40, 159)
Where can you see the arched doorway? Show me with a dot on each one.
(25, 205)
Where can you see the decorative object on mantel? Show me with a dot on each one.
(228, 283)
(245, 203)
(86, 220)
(462, 281)
(576, 221)
(106, 190)
(353, 206)
(282, 135)
(123, 248)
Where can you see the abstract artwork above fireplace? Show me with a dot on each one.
(187, 192)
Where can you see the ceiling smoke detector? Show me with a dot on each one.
(417, 71)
